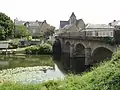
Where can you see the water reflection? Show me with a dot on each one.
(29, 69)
(4, 63)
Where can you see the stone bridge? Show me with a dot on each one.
(79, 50)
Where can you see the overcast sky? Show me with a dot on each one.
(91, 11)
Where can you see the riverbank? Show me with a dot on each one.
(104, 77)
(44, 49)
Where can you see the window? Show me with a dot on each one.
(111, 34)
(33, 30)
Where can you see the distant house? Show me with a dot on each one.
(36, 28)
(102, 30)
(17, 22)
(99, 30)
(72, 24)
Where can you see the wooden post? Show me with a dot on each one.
(6, 51)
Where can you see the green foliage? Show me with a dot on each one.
(6, 25)
(2, 33)
(29, 38)
(21, 31)
(49, 32)
(109, 40)
(14, 44)
(49, 42)
(41, 49)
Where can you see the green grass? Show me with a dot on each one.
(104, 77)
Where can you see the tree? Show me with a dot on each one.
(2, 33)
(6, 25)
(49, 32)
(21, 31)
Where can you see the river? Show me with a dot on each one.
(29, 69)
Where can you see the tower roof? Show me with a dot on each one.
(72, 15)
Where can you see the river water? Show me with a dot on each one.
(29, 69)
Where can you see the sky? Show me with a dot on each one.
(91, 11)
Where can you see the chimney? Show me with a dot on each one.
(114, 20)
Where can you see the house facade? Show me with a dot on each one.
(38, 28)
(99, 30)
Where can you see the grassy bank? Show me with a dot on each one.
(104, 77)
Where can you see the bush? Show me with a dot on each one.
(12, 46)
(40, 49)
(49, 42)
(109, 40)
(29, 38)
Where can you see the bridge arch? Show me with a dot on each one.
(79, 58)
(82, 43)
(66, 54)
(67, 46)
(101, 53)
(56, 49)
(79, 49)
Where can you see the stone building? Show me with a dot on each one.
(102, 30)
(38, 28)
(72, 24)
(19, 22)
(99, 30)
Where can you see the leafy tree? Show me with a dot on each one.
(49, 32)
(6, 25)
(21, 31)
(2, 33)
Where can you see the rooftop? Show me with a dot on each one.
(98, 26)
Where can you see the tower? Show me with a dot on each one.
(72, 19)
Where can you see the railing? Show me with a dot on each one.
(83, 35)
(88, 34)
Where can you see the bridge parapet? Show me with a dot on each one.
(108, 40)
(67, 34)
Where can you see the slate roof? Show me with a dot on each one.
(77, 22)
(98, 26)
(19, 22)
(32, 23)
(67, 26)
(63, 23)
